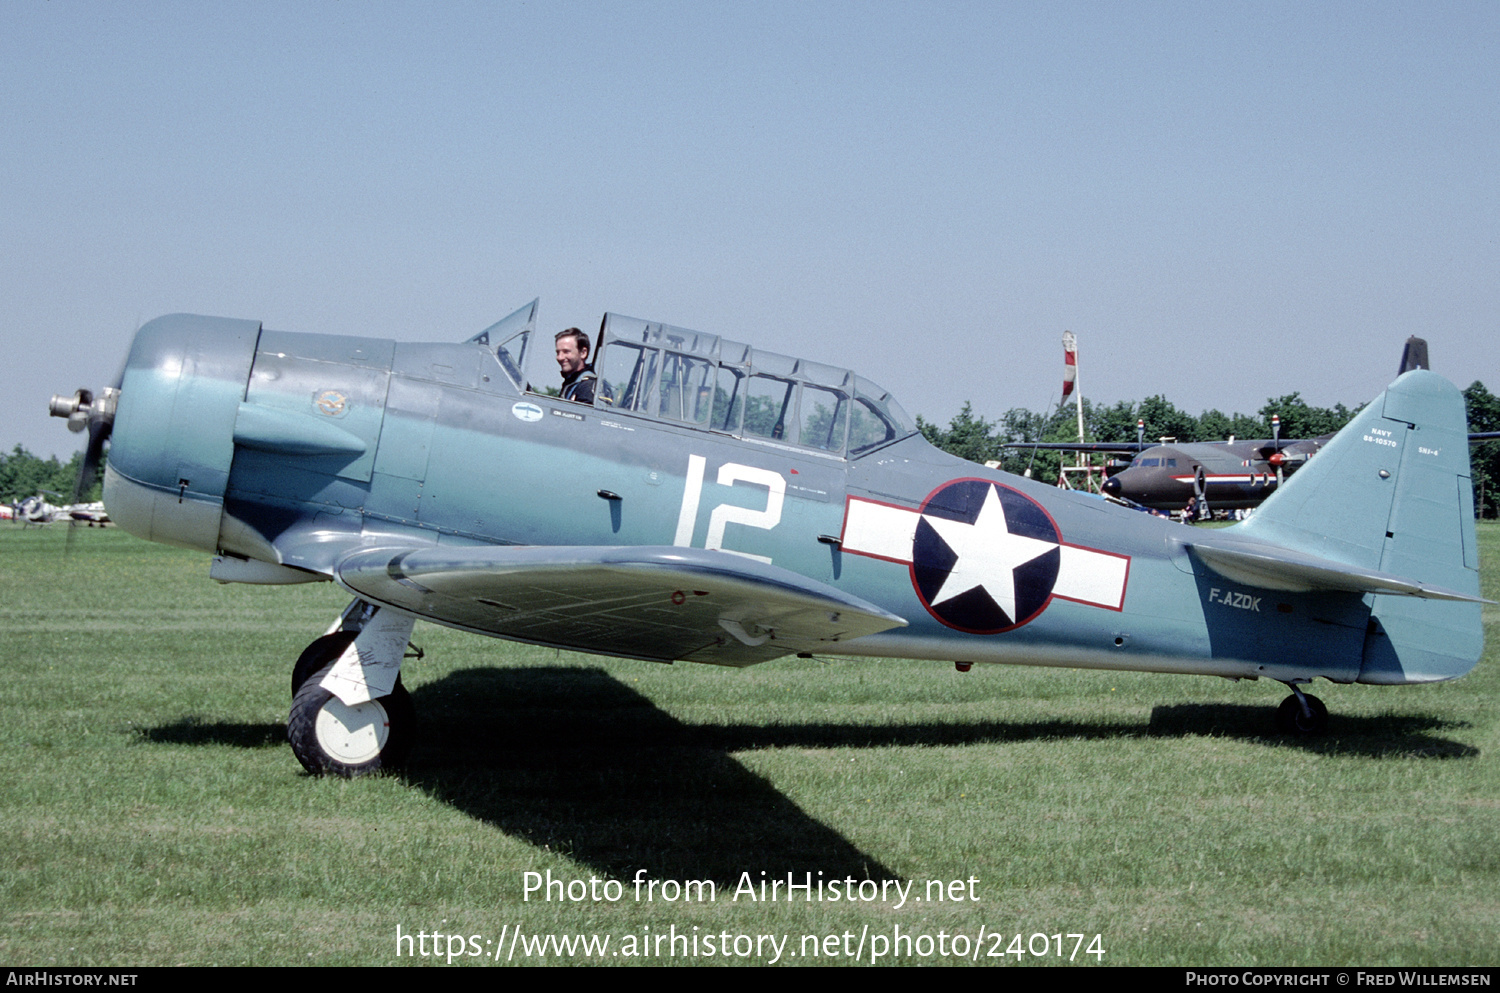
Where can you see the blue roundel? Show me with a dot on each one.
(984, 557)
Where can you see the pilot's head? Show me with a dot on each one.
(572, 351)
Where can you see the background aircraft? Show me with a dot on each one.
(1221, 475)
(721, 504)
(36, 510)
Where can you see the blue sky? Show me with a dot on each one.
(1225, 202)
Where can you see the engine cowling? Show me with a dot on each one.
(173, 439)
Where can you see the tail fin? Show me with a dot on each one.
(1391, 492)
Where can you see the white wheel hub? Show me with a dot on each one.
(352, 735)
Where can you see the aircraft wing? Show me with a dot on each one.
(1122, 447)
(93, 512)
(657, 603)
(1273, 567)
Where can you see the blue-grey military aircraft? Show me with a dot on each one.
(718, 503)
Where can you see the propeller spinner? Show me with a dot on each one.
(84, 411)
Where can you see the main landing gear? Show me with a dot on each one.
(350, 714)
(1301, 715)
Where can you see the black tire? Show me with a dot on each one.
(1290, 719)
(320, 654)
(329, 737)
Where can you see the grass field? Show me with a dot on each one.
(153, 814)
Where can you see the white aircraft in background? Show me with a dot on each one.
(36, 510)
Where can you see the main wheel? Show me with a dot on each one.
(329, 736)
(322, 652)
(1291, 720)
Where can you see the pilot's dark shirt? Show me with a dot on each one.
(579, 387)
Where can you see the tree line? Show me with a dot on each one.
(23, 474)
(979, 440)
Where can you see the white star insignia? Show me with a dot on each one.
(988, 554)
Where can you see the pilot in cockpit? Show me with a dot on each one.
(578, 379)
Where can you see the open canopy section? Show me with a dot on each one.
(508, 338)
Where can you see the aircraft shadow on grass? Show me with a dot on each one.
(1385, 736)
(574, 761)
(193, 730)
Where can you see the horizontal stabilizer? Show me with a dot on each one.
(657, 603)
(1274, 568)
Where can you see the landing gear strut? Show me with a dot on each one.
(350, 714)
(1301, 714)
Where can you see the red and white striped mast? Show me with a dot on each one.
(1070, 377)
(1082, 463)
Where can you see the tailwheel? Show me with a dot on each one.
(1302, 715)
(330, 736)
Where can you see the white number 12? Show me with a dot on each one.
(725, 514)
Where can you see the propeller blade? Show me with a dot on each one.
(97, 415)
(88, 473)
